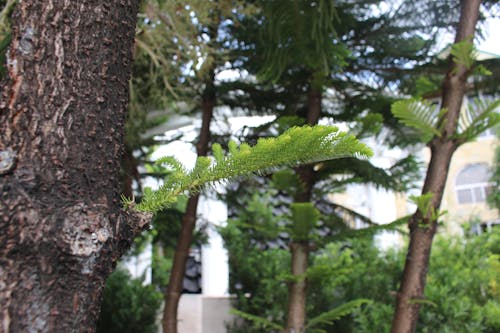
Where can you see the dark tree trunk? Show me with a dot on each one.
(297, 289)
(62, 114)
(423, 228)
(184, 242)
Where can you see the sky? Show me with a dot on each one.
(492, 42)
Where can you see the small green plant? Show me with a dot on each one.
(424, 205)
(128, 306)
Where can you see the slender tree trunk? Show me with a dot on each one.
(423, 228)
(174, 289)
(297, 289)
(62, 114)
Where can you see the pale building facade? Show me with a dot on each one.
(464, 199)
(468, 184)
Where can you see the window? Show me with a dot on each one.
(472, 184)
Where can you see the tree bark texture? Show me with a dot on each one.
(62, 114)
(297, 294)
(184, 242)
(298, 289)
(423, 228)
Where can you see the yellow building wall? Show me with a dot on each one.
(480, 151)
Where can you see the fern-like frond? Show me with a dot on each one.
(373, 229)
(298, 145)
(337, 313)
(420, 115)
(260, 322)
(464, 53)
(478, 116)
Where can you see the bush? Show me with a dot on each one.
(128, 306)
(462, 292)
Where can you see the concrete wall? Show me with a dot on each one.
(204, 314)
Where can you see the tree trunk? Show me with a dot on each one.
(62, 114)
(423, 228)
(297, 289)
(174, 288)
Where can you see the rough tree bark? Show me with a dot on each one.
(185, 239)
(297, 290)
(62, 114)
(423, 228)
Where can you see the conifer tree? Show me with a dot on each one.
(294, 63)
(193, 33)
(443, 132)
(184, 241)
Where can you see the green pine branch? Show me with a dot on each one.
(335, 314)
(371, 230)
(298, 145)
(261, 323)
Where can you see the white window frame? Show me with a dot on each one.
(483, 187)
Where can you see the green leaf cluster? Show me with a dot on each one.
(429, 121)
(300, 33)
(304, 219)
(327, 318)
(296, 146)
(494, 197)
(464, 53)
(422, 115)
(479, 115)
(424, 205)
(463, 284)
(128, 306)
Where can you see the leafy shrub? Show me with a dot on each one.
(462, 293)
(128, 306)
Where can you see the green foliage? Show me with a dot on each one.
(260, 218)
(128, 306)
(494, 197)
(480, 115)
(421, 115)
(429, 121)
(425, 85)
(464, 53)
(425, 206)
(259, 322)
(461, 286)
(5, 34)
(402, 176)
(295, 146)
(335, 314)
(463, 283)
(373, 229)
(424, 117)
(304, 219)
(287, 180)
(253, 278)
(300, 33)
